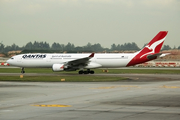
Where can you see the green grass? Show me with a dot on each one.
(97, 71)
(144, 71)
(83, 78)
(74, 77)
(28, 70)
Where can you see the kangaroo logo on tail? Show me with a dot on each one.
(152, 48)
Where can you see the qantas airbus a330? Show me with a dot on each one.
(72, 62)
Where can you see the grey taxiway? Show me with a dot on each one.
(150, 97)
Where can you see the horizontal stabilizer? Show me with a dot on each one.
(154, 56)
(164, 54)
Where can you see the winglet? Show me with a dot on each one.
(92, 55)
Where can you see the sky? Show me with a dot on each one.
(89, 21)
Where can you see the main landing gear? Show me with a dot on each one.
(22, 70)
(86, 72)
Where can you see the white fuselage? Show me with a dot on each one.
(105, 60)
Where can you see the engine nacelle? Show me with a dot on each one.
(58, 67)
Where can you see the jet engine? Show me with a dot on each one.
(58, 67)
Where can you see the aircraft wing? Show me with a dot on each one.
(81, 61)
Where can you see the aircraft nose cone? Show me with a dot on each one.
(8, 61)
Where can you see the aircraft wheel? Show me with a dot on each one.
(92, 72)
(81, 72)
(86, 72)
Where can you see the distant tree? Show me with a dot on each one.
(126, 46)
(28, 46)
(97, 47)
(62, 47)
(56, 46)
(45, 45)
(134, 46)
(7, 49)
(69, 47)
(38, 46)
(113, 47)
(79, 49)
(1, 47)
(14, 47)
(179, 47)
(166, 47)
(88, 47)
(174, 47)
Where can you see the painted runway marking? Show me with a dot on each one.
(164, 86)
(119, 86)
(132, 86)
(6, 110)
(53, 105)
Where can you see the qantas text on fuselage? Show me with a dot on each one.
(72, 62)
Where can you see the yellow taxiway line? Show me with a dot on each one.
(53, 105)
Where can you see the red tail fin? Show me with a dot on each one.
(153, 47)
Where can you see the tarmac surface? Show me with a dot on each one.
(150, 97)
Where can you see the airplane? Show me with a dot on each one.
(76, 61)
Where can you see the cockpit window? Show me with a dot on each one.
(12, 58)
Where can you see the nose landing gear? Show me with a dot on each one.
(22, 70)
